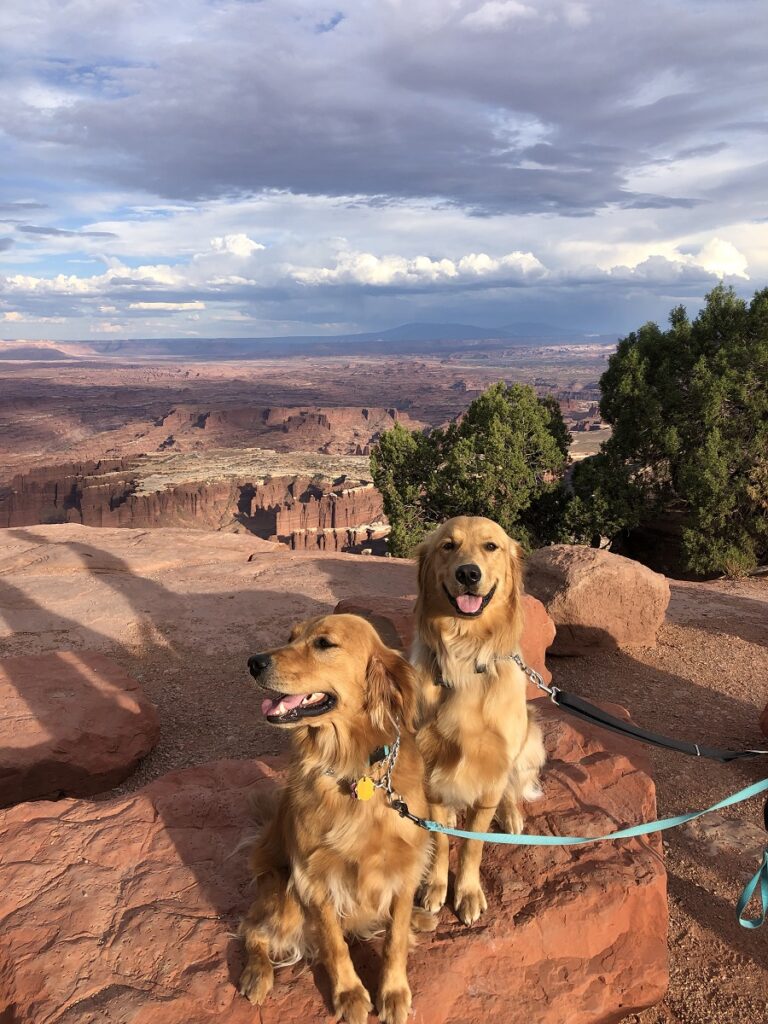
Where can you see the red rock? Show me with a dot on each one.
(764, 720)
(122, 911)
(538, 634)
(598, 600)
(170, 591)
(107, 493)
(70, 723)
(393, 618)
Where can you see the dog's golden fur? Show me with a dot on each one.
(325, 864)
(482, 748)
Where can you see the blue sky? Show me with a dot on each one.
(266, 167)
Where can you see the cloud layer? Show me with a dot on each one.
(292, 167)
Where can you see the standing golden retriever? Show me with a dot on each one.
(334, 858)
(482, 749)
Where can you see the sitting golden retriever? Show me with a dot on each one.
(333, 858)
(482, 748)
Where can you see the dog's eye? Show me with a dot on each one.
(490, 546)
(323, 643)
(449, 545)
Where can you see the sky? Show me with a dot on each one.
(244, 168)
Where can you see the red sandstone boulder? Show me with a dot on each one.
(764, 720)
(71, 723)
(598, 600)
(538, 634)
(123, 910)
(393, 618)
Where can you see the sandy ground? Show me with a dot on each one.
(707, 680)
(182, 614)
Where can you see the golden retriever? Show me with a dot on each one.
(482, 748)
(325, 863)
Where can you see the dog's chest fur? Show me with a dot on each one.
(474, 732)
(356, 854)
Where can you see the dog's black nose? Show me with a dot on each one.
(468, 575)
(257, 663)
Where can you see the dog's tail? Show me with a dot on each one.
(263, 838)
(263, 802)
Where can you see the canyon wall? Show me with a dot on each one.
(346, 430)
(300, 511)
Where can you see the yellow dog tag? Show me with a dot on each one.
(364, 788)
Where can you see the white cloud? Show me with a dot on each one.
(116, 275)
(723, 258)
(577, 15)
(716, 257)
(14, 317)
(367, 269)
(497, 13)
(236, 245)
(103, 327)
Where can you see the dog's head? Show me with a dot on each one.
(469, 568)
(335, 670)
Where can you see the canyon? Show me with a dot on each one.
(302, 511)
(270, 446)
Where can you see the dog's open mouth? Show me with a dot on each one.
(290, 707)
(470, 605)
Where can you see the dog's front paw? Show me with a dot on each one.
(469, 903)
(509, 816)
(352, 1005)
(394, 1005)
(256, 983)
(433, 896)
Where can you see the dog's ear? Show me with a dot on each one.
(424, 553)
(515, 570)
(515, 556)
(391, 689)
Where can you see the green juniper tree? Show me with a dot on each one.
(504, 459)
(689, 409)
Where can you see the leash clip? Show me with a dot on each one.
(398, 804)
(535, 677)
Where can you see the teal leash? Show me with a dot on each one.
(759, 880)
(597, 716)
(509, 838)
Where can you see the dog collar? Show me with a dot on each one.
(441, 681)
(375, 757)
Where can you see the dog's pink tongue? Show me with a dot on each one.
(281, 705)
(469, 603)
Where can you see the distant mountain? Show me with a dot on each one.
(407, 339)
(434, 332)
(33, 353)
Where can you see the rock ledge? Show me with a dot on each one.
(71, 723)
(122, 911)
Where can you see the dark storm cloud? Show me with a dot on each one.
(32, 229)
(330, 24)
(548, 110)
(20, 207)
(646, 202)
